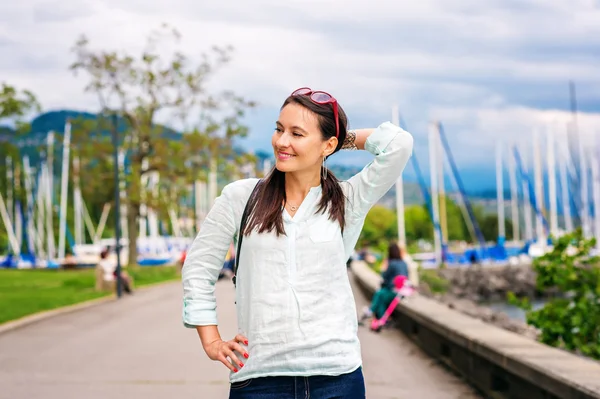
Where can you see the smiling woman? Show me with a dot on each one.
(296, 312)
(306, 134)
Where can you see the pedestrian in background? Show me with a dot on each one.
(391, 267)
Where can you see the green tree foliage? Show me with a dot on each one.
(489, 227)
(3, 239)
(139, 88)
(418, 223)
(381, 226)
(91, 147)
(571, 320)
(457, 228)
(15, 105)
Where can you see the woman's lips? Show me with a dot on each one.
(283, 156)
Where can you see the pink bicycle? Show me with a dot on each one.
(403, 289)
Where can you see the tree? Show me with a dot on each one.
(91, 146)
(16, 105)
(418, 223)
(489, 227)
(380, 227)
(457, 226)
(138, 88)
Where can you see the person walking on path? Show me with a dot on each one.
(297, 324)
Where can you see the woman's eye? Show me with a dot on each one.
(297, 135)
(277, 129)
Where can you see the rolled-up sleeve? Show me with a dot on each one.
(392, 147)
(205, 260)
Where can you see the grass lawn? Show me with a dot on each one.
(24, 292)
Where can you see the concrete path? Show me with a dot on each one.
(138, 348)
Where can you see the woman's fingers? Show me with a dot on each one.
(228, 357)
(234, 359)
(226, 353)
(241, 339)
(223, 359)
(240, 349)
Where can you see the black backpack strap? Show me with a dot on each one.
(241, 231)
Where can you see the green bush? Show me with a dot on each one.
(436, 283)
(3, 242)
(572, 320)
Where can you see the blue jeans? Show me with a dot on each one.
(345, 386)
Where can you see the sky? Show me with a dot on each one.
(491, 71)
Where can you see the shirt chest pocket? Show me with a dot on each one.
(323, 230)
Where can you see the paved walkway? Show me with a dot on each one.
(138, 348)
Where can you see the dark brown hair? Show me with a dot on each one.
(265, 214)
(394, 251)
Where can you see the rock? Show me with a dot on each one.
(425, 290)
(490, 283)
(499, 319)
(470, 286)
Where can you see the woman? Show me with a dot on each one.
(110, 271)
(392, 267)
(295, 309)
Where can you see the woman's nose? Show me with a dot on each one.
(283, 140)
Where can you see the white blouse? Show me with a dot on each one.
(294, 300)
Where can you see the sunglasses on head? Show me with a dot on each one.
(321, 97)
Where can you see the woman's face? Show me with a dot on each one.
(297, 141)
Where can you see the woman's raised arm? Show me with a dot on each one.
(392, 147)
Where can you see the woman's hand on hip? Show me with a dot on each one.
(222, 350)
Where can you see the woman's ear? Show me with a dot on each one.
(330, 146)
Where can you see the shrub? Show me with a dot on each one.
(572, 320)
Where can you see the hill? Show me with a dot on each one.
(55, 121)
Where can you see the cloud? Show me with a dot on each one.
(486, 69)
(59, 11)
(479, 131)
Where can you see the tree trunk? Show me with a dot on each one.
(133, 212)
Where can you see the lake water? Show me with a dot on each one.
(513, 311)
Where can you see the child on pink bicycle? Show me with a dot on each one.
(392, 267)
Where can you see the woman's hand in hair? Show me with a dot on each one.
(356, 139)
(225, 352)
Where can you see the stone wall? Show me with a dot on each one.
(487, 284)
(486, 314)
(471, 287)
(501, 364)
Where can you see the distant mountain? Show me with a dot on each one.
(55, 121)
(479, 182)
(6, 134)
(412, 190)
